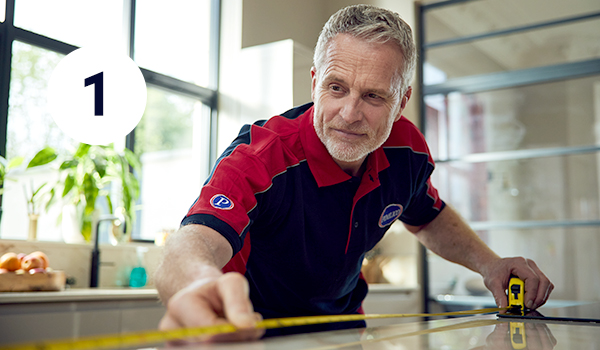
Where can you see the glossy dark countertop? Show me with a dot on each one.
(472, 332)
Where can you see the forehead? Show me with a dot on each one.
(358, 61)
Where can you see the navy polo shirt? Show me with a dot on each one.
(298, 224)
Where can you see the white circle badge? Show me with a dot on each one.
(96, 96)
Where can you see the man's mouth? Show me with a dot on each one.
(348, 134)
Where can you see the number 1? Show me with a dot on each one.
(98, 80)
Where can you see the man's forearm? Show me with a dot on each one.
(193, 253)
(450, 237)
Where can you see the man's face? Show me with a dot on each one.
(356, 101)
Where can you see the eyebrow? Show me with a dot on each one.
(336, 78)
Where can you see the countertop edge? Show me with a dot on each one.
(84, 294)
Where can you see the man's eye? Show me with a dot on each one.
(374, 96)
(336, 88)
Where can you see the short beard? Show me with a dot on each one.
(347, 152)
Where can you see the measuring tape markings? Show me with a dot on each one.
(157, 336)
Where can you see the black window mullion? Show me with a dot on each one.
(503, 32)
(434, 5)
(43, 42)
(215, 39)
(515, 78)
(420, 37)
(6, 39)
(130, 138)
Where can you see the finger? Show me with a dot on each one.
(241, 335)
(168, 323)
(532, 283)
(545, 286)
(498, 289)
(195, 306)
(234, 291)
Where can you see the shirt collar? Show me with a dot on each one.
(324, 169)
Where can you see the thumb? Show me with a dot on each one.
(238, 309)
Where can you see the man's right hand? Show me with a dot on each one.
(213, 301)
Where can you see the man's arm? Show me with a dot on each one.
(190, 282)
(452, 239)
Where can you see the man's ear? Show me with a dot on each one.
(403, 103)
(313, 76)
(406, 97)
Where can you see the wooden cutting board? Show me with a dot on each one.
(25, 282)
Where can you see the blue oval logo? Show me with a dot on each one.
(220, 201)
(390, 214)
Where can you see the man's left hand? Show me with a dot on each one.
(537, 286)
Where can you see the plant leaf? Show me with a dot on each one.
(100, 166)
(15, 162)
(44, 156)
(51, 199)
(82, 150)
(67, 164)
(132, 159)
(69, 182)
(90, 191)
(38, 190)
(109, 202)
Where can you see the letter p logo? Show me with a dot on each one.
(220, 201)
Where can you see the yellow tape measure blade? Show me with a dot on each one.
(157, 336)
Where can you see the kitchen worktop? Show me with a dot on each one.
(484, 332)
(79, 294)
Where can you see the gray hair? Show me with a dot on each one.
(373, 24)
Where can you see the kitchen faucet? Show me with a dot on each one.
(95, 267)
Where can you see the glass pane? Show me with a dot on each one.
(557, 114)
(536, 48)
(30, 128)
(483, 16)
(537, 189)
(30, 125)
(174, 39)
(172, 142)
(2, 10)
(568, 256)
(79, 23)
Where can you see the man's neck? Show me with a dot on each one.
(356, 169)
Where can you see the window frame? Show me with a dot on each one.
(494, 81)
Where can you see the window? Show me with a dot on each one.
(170, 140)
(78, 23)
(178, 60)
(173, 39)
(511, 112)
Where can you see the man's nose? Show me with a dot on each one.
(351, 111)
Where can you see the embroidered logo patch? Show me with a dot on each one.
(390, 214)
(220, 201)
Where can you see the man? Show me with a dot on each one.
(299, 199)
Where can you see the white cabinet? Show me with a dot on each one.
(387, 299)
(44, 320)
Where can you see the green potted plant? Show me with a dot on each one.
(87, 175)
